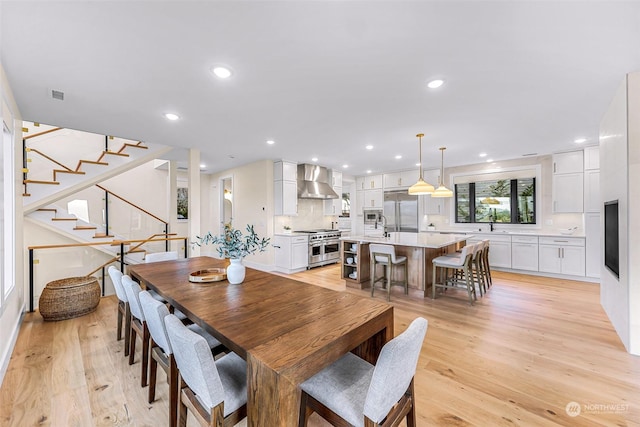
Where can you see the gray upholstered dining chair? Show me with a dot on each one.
(385, 255)
(138, 326)
(214, 391)
(352, 392)
(124, 315)
(161, 353)
(160, 256)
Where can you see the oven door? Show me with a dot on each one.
(316, 254)
(332, 250)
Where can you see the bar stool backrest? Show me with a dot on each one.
(383, 249)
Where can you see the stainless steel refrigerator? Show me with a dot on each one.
(401, 211)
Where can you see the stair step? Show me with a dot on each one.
(138, 145)
(57, 171)
(102, 235)
(90, 162)
(64, 219)
(26, 194)
(48, 210)
(85, 227)
(30, 181)
(113, 153)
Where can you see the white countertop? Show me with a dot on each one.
(541, 233)
(418, 240)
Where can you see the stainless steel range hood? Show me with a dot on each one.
(313, 183)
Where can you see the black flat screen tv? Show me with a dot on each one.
(611, 243)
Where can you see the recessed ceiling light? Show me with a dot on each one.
(271, 142)
(369, 171)
(434, 84)
(221, 72)
(369, 147)
(202, 166)
(345, 166)
(483, 154)
(171, 116)
(314, 159)
(489, 160)
(398, 157)
(580, 140)
(418, 164)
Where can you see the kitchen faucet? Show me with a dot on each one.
(384, 225)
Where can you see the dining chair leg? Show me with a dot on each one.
(174, 391)
(127, 328)
(153, 371)
(132, 344)
(182, 408)
(145, 354)
(411, 416)
(120, 320)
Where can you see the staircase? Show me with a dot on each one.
(49, 151)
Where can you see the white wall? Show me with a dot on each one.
(13, 306)
(620, 180)
(252, 204)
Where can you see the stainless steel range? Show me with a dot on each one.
(324, 246)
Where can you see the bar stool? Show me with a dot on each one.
(459, 264)
(385, 255)
(485, 263)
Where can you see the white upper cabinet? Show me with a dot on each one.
(285, 188)
(370, 182)
(568, 182)
(571, 162)
(400, 180)
(592, 158)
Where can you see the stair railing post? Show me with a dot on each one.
(103, 278)
(166, 234)
(31, 280)
(122, 257)
(186, 255)
(24, 165)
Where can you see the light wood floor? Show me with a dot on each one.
(519, 356)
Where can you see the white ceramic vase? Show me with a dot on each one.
(235, 271)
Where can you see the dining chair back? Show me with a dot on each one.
(351, 391)
(160, 256)
(124, 315)
(138, 326)
(215, 391)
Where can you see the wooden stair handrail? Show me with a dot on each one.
(132, 204)
(124, 242)
(150, 239)
(41, 133)
(49, 158)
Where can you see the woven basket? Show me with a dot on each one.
(68, 298)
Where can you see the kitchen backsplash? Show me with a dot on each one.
(310, 216)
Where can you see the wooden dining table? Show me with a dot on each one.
(286, 330)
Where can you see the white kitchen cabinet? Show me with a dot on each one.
(524, 253)
(570, 162)
(373, 199)
(592, 201)
(359, 203)
(291, 253)
(432, 205)
(499, 248)
(567, 191)
(285, 188)
(334, 206)
(369, 182)
(399, 180)
(562, 255)
(592, 158)
(593, 243)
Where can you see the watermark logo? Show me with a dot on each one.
(573, 409)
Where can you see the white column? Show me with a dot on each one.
(194, 200)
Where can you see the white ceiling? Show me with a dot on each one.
(325, 78)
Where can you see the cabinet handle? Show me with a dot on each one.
(554, 167)
(562, 252)
(559, 253)
(561, 241)
(399, 182)
(372, 186)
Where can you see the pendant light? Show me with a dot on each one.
(421, 187)
(442, 191)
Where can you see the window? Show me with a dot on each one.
(510, 201)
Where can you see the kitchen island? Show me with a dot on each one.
(419, 248)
